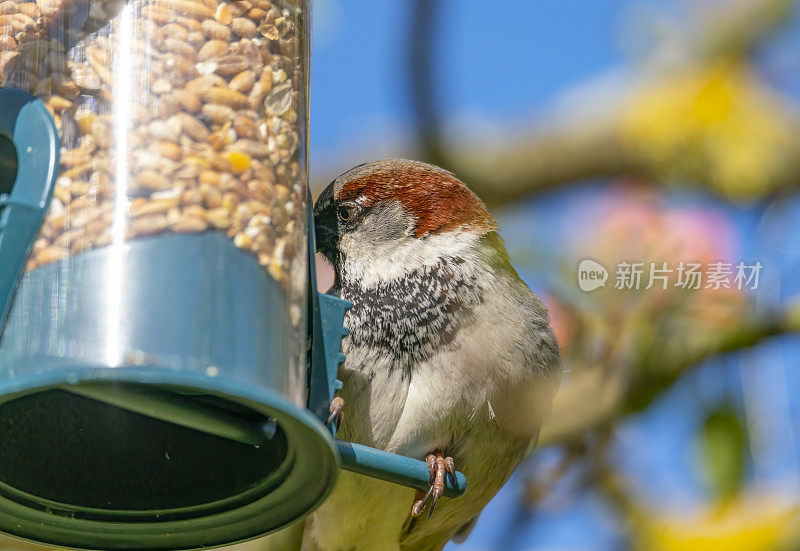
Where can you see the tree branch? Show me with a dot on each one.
(422, 78)
(594, 397)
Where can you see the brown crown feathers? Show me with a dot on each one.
(439, 201)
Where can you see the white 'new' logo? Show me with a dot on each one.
(591, 275)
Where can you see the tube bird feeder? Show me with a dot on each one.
(157, 289)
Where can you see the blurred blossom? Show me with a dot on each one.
(639, 226)
(636, 225)
(611, 337)
(753, 522)
(716, 124)
(563, 322)
(633, 222)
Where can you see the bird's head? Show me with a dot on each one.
(384, 219)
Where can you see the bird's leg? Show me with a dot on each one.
(337, 411)
(420, 497)
(438, 464)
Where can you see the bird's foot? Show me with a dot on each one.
(438, 464)
(337, 411)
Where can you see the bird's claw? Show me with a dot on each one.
(419, 502)
(438, 465)
(337, 411)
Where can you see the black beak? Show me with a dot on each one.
(326, 240)
(326, 225)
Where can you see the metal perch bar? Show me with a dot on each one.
(394, 468)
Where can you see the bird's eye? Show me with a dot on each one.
(345, 213)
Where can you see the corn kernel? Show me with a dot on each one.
(239, 161)
(242, 240)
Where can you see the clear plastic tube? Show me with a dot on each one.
(175, 117)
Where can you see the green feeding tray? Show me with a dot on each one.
(208, 432)
(78, 470)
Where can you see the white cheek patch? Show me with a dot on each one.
(370, 264)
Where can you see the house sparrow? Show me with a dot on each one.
(450, 357)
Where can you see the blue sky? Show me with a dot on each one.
(496, 61)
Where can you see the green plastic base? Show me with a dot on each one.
(198, 438)
(296, 486)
